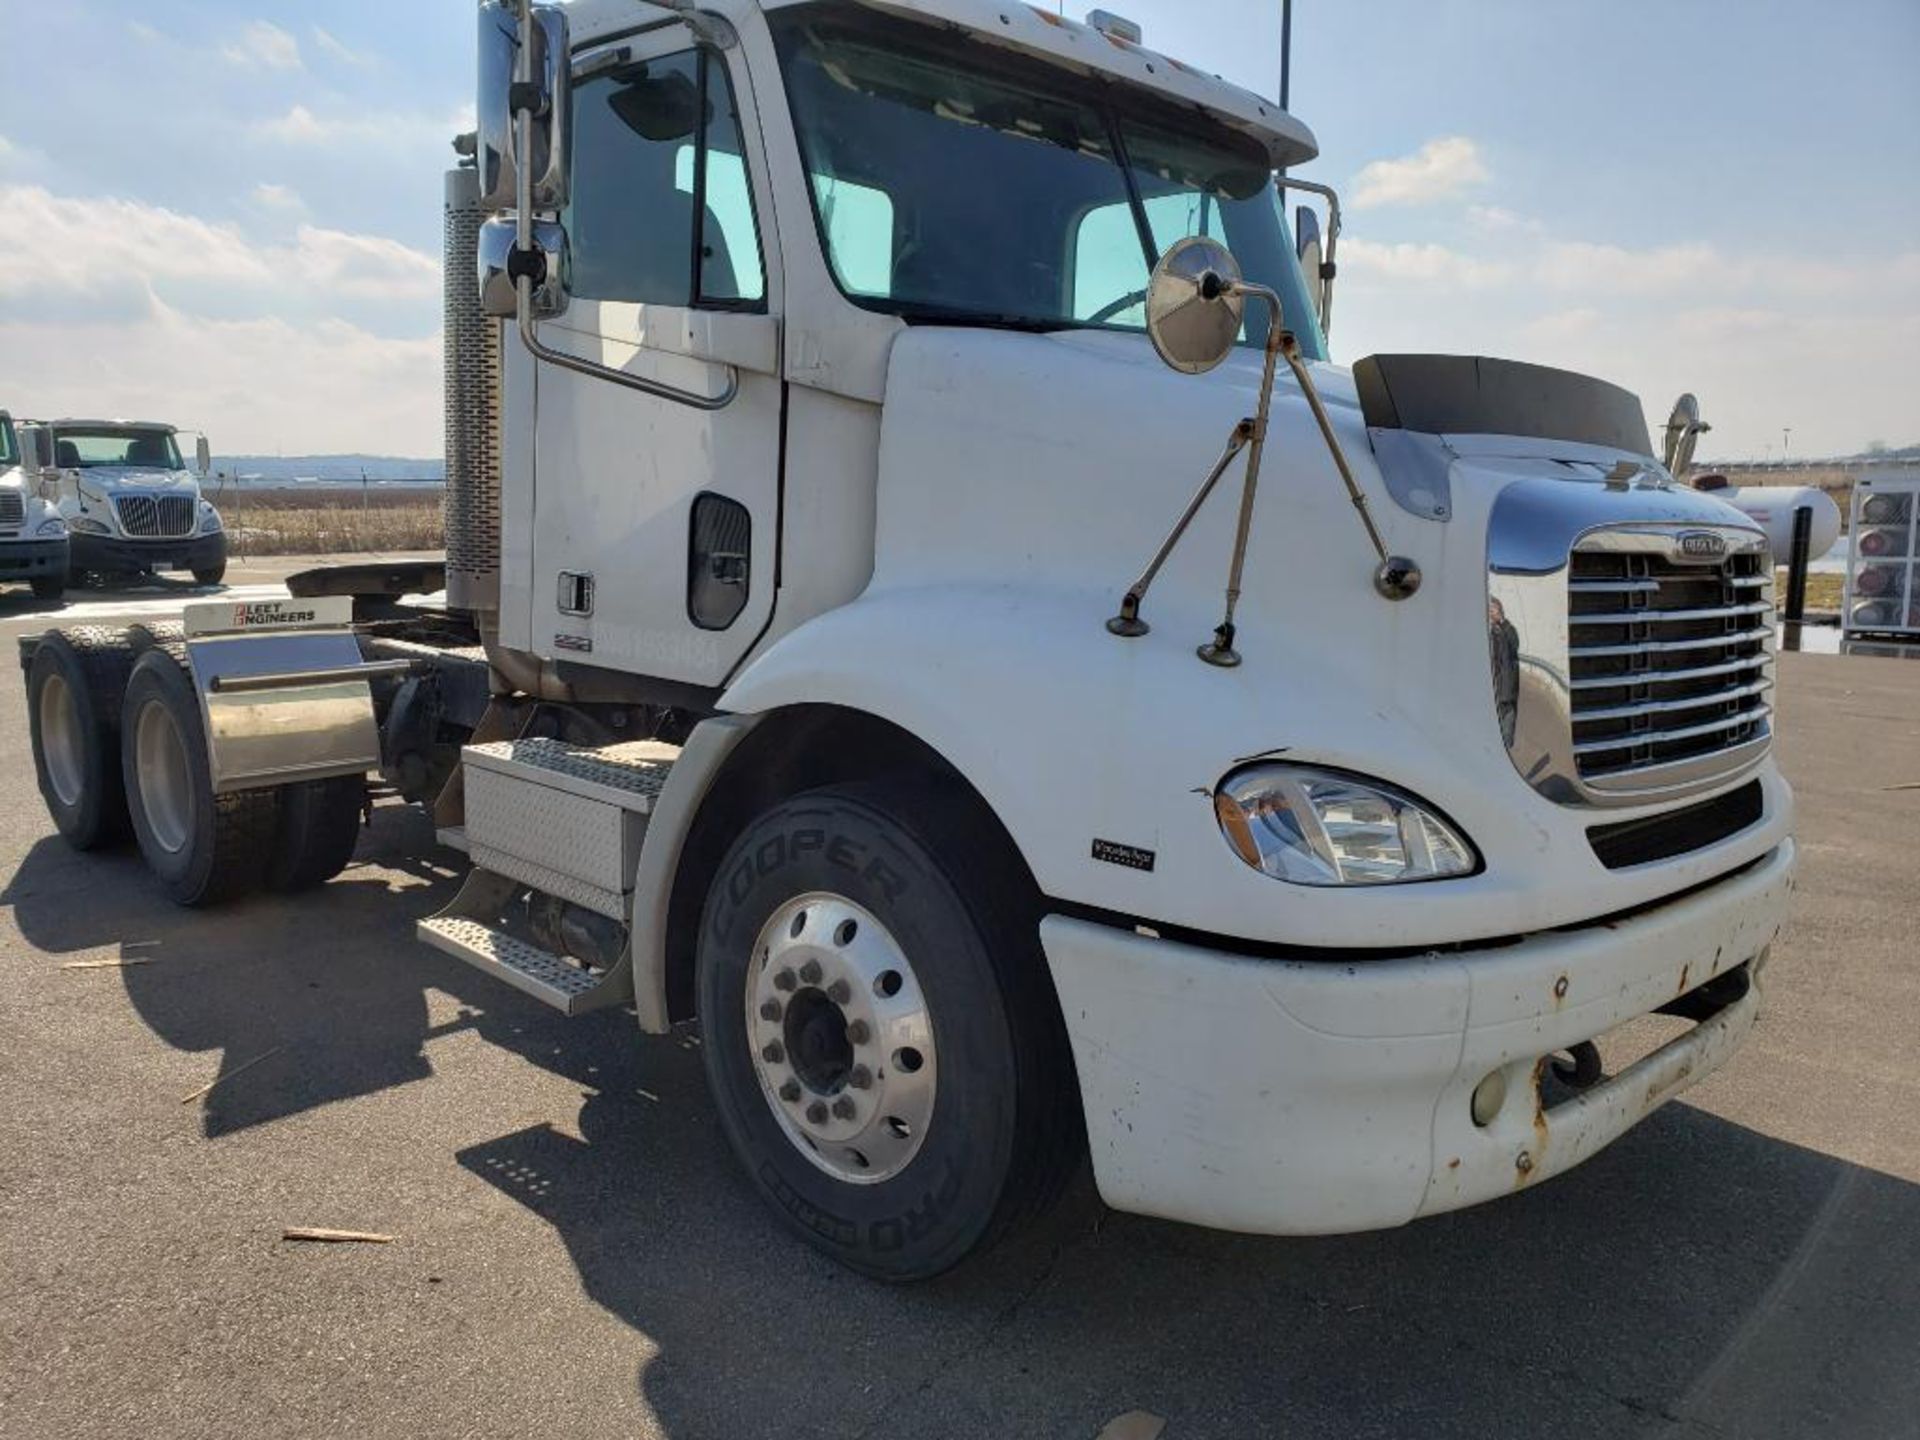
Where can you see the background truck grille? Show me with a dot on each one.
(13, 511)
(1669, 660)
(155, 517)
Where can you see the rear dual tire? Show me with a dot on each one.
(74, 686)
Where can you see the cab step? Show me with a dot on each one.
(470, 929)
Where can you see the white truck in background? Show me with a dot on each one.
(33, 537)
(131, 505)
(836, 650)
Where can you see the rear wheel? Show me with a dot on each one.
(881, 1036)
(204, 848)
(74, 687)
(319, 828)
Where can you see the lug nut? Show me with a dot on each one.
(817, 1113)
(860, 1077)
(784, 980)
(774, 1052)
(810, 972)
(858, 1033)
(843, 1108)
(770, 1010)
(790, 1091)
(839, 992)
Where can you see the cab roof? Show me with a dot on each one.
(110, 425)
(1030, 30)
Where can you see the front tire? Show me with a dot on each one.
(211, 574)
(203, 848)
(49, 587)
(913, 1098)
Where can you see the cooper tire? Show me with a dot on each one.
(319, 829)
(203, 848)
(1004, 1132)
(74, 686)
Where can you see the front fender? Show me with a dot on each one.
(1082, 743)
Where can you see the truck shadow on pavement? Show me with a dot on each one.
(1698, 1278)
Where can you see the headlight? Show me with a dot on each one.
(1322, 827)
(51, 529)
(209, 519)
(88, 527)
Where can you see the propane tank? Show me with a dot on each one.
(1771, 507)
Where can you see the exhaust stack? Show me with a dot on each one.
(472, 505)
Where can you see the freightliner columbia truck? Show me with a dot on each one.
(920, 599)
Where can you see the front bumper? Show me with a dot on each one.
(1319, 1097)
(31, 559)
(107, 553)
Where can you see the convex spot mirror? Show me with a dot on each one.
(499, 295)
(1308, 245)
(494, 133)
(1194, 305)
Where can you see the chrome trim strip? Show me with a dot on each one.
(1669, 677)
(1669, 617)
(1666, 707)
(1685, 732)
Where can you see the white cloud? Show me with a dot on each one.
(331, 45)
(109, 298)
(1406, 262)
(301, 126)
(264, 46)
(256, 385)
(1438, 170)
(269, 196)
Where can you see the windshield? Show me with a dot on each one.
(955, 182)
(78, 447)
(9, 451)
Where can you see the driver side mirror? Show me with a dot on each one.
(39, 450)
(548, 96)
(499, 290)
(1307, 245)
(202, 456)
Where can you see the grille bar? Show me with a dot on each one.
(1670, 617)
(1685, 732)
(1668, 647)
(1673, 677)
(155, 517)
(13, 509)
(1669, 707)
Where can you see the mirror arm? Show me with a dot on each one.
(1128, 621)
(528, 258)
(1329, 265)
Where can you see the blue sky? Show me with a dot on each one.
(226, 212)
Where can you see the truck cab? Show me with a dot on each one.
(130, 503)
(33, 537)
(844, 658)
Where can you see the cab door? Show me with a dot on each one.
(655, 523)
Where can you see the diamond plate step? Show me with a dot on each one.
(460, 931)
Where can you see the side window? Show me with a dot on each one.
(653, 168)
(1108, 267)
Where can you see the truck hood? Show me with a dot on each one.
(135, 477)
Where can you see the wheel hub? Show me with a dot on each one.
(60, 745)
(841, 1038)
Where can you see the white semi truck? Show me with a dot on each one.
(835, 648)
(33, 537)
(131, 505)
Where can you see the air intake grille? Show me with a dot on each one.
(13, 510)
(155, 517)
(1669, 660)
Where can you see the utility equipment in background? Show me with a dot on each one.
(1883, 561)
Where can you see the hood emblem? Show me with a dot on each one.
(1702, 545)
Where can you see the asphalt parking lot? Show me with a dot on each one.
(576, 1255)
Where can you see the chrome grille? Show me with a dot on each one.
(1669, 659)
(155, 517)
(13, 510)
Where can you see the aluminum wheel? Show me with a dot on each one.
(841, 1038)
(61, 745)
(166, 786)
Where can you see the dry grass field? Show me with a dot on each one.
(295, 522)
